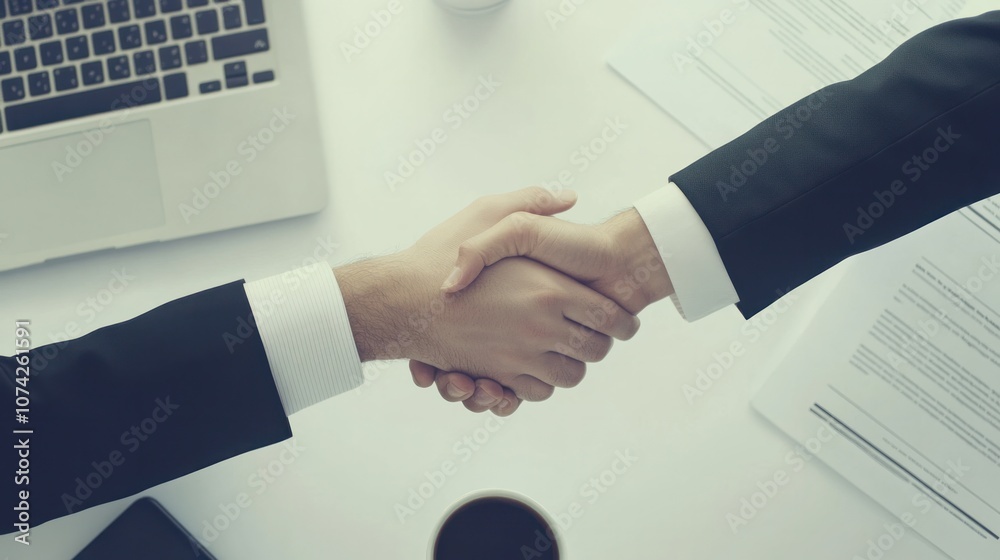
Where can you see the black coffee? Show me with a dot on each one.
(495, 529)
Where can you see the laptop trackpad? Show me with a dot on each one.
(79, 187)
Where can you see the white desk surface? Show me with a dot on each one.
(365, 451)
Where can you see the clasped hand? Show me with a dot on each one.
(530, 298)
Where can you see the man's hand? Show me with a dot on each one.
(617, 258)
(523, 325)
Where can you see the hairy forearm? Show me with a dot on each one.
(375, 294)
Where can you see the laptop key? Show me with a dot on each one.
(77, 47)
(175, 86)
(25, 59)
(67, 21)
(156, 32)
(145, 63)
(51, 53)
(235, 69)
(130, 37)
(20, 7)
(65, 78)
(180, 27)
(83, 104)
(231, 18)
(170, 57)
(240, 44)
(47, 4)
(196, 51)
(13, 90)
(169, 6)
(118, 68)
(104, 42)
(237, 82)
(13, 32)
(93, 16)
(254, 10)
(39, 84)
(236, 74)
(40, 26)
(118, 11)
(93, 72)
(262, 77)
(208, 22)
(5, 66)
(211, 87)
(197, 3)
(144, 8)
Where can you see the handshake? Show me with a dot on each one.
(527, 300)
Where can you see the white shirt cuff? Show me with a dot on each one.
(302, 321)
(701, 284)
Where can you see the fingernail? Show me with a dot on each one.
(452, 279)
(567, 195)
(454, 392)
(505, 405)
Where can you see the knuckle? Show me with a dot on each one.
(539, 199)
(519, 223)
(467, 250)
(548, 300)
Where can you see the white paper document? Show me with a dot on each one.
(744, 60)
(903, 363)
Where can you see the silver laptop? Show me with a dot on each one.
(129, 121)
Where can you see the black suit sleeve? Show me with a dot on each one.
(856, 165)
(140, 403)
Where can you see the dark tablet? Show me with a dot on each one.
(145, 530)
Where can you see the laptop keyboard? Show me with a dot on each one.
(67, 59)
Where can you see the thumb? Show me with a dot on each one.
(567, 247)
(535, 200)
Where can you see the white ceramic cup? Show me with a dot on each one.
(472, 6)
(504, 494)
